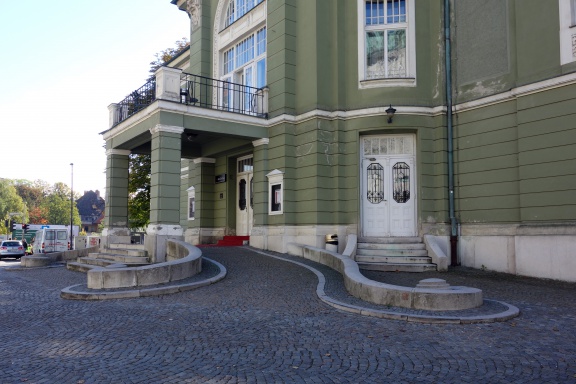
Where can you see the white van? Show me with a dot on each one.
(51, 240)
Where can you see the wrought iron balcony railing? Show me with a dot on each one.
(222, 95)
(199, 91)
(136, 101)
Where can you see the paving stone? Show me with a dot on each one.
(264, 323)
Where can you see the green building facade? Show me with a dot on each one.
(288, 120)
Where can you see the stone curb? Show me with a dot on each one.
(508, 314)
(70, 294)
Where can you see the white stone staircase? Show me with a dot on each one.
(391, 254)
(115, 256)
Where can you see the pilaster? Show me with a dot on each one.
(116, 211)
(164, 190)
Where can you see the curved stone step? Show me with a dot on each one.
(394, 259)
(394, 267)
(392, 252)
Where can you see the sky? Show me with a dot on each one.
(62, 63)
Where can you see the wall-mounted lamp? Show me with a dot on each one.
(390, 113)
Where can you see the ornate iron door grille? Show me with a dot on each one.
(401, 182)
(242, 199)
(375, 183)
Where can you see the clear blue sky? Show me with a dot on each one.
(63, 62)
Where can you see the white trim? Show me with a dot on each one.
(275, 178)
(166, 128)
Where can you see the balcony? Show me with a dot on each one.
(172, 84)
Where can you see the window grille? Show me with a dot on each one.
(375, 183)
(246, 165)
(401, 182)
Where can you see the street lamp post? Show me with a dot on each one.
(71, 204)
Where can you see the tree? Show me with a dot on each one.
(57, 203)
(166, 55)
(10, 202)
(139, 191)
(31, 192)
(38, 215)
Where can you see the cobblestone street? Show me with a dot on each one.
(265, 324)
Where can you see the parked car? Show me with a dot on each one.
(12, 248)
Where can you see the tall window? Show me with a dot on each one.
(244, 64)
(386, 40)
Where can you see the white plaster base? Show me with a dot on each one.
(543, 251)
(114, 236)
(278, 238)
(156, 238)
(198, 236)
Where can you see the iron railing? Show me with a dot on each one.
(136, 101)
(200, 91)
(222, 95)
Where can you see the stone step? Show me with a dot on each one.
(95, 261)
(127, 251)
(79, 267)
(126, 246)
(389, 246)
(392, 252)
(140, 260)
(393, 267)
(393, 259)
(389, 240)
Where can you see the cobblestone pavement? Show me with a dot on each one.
(264, 324)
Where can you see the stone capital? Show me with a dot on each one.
(123, 152)
(257, 143)
(166, 128)
(204, 160)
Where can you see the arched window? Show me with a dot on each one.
(238, 8)
(240, 51)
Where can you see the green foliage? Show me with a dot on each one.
(58, 206)
(10, 201)
(32, 192)
(168, 54)
(139, 191)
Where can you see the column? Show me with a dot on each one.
(164, 190)
(116, 211)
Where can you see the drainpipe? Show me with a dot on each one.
(448, 76)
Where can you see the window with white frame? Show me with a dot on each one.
(191, 203)
(238, 8)
(275, 192)
(386, 40)
(567, 31)
(245, 64)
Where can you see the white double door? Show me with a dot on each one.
(388, 196)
